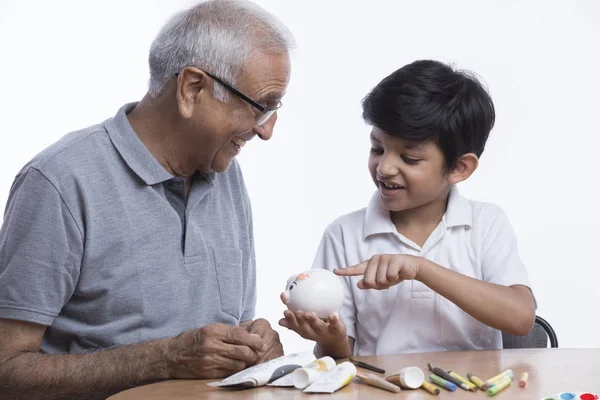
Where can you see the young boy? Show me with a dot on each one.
(424, 268)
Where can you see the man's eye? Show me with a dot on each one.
(375, 150)
(410, 161)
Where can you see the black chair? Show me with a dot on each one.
(537, 338)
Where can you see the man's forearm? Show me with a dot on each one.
(87, 376)
(505, 308)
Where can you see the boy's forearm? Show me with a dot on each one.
(508, 309)
(82, 376)
(338, 349)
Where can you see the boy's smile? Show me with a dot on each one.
(387, 188)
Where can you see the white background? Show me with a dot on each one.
(69, 64)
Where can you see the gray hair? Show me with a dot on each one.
(217, 36)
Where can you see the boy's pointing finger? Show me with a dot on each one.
(352, 271)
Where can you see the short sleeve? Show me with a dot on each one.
(330, 255)
(41, 249)
(501, 262)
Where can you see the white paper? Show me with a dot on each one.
(264, 373)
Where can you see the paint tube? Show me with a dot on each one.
(261, 374)
(303, 377)
(334, 380)
(407, 378)
(297, 378)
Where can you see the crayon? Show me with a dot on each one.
(508, 372)
(478, 381)
(499, 386)
(471, 386)
(523, 380)
(364, 365)
(430, 388)
(443, 374)
(442, 382)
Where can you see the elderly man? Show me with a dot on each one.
(126, 251)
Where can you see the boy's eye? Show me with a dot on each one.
(410, 161)
(375, 150)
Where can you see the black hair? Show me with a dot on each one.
(428, 100)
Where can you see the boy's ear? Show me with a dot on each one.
(465, 166)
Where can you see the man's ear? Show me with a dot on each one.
(465, 166)
(191, 85)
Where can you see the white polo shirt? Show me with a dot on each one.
(473, 238)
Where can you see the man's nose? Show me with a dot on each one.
(265, 131)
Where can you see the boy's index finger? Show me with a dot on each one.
(352, 271)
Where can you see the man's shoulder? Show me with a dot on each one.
(73, 152)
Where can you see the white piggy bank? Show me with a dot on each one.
(316, 290)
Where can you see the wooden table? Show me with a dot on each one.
(551, 371)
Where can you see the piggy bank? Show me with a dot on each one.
(316, 290)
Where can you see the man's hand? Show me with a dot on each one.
(213, 351)
(382, 271)
(262, 329)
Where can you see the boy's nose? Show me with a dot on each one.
(387, 168)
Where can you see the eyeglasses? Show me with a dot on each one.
(267, 113)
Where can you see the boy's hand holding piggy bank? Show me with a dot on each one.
(314, 298)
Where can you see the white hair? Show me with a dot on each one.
(216, 36)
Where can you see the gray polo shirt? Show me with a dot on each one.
(100, 244)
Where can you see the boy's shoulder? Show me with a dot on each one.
(464, 211)
(485, 210)
(486, 221)
(351, 223)
(485, 213)
(351, 220)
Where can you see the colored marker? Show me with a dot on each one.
(523, 380)
(442, 382)
(508, 372)
(443, 374)
(430, 388)
(478, 381)
(499, 386)
(471, 386)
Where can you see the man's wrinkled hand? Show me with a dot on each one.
(270, 337)
(213, 351)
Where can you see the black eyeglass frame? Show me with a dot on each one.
(267, 112)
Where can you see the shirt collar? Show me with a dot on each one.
(459, 211)
(134, 152)
(377, 217)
